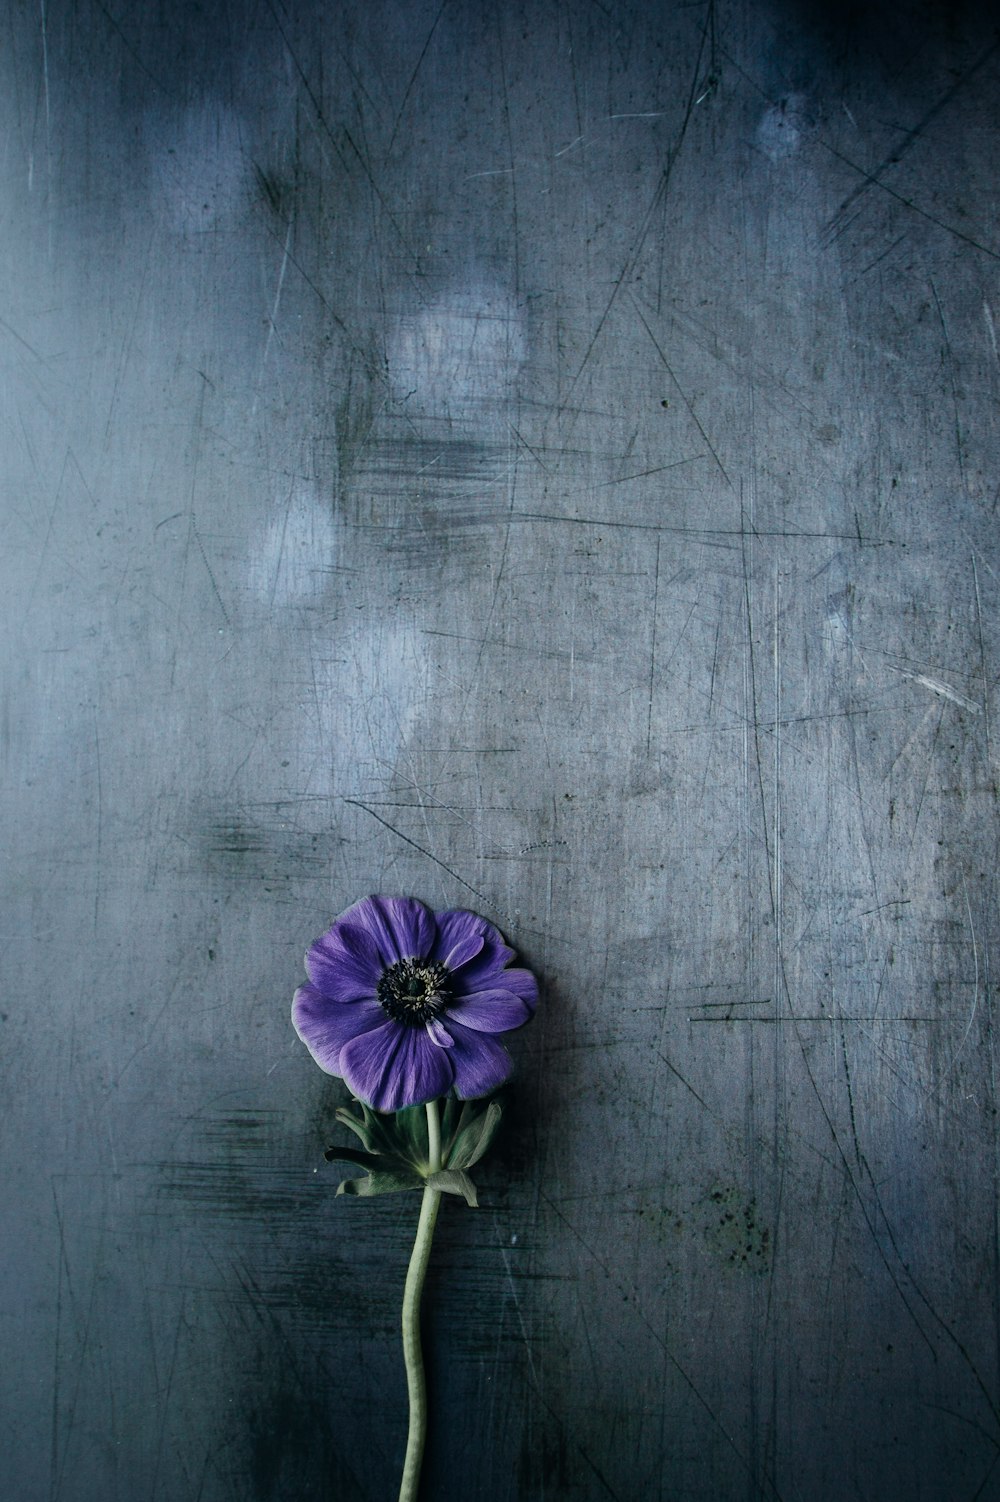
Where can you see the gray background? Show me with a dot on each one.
(540, 458)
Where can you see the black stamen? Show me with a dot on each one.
(413, 991)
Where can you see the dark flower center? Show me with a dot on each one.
(413, 991)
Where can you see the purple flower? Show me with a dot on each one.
(405, 1004)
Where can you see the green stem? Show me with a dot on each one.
(416, 1382)
(433, 1138)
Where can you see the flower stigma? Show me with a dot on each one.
(413, 991)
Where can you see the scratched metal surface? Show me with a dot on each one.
(541, 458)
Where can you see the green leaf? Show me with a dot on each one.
(490, 1126)
(381, 1183)
(453, 1108)
(348, 1119)
(448, 1181)
(374, 1131)
(395, 1149)
(374, 1162)
(410, 1133)
(476, 1130)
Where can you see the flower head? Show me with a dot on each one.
(406, 1004)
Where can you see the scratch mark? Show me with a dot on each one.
(839, 1018)
(681, 392)
(45, 77)
(356, 803)
(21, 341)
(982, 1486)
(100, 821)
(510, 154)
(128, 342)
(852, 1115)
(938, 686)
(652, 650)
(56, 1480)
(658, 198)
(913, 135)
(362, 161)
(991, 330)
(281, 546)
(686, 1083)
(132, 52)
(950, 360)
(208, 567)
(975, 985)
(517, 1305)
(729, 532)
(272, 321)
(502, 646)
(46, 540)
(874, 181)
(163, 1398)
(982, 663)
(524, 442)
(881, 257)
(642, 474)
(371, 366)
(488, 620)
(62, 1280)
(413, 76)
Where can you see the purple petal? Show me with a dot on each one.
(393, 1066)
(461, 937)
(438, 1033)
(464, 951)
(490, 1011)
(345, 963)
(519, 982)
(485, 971)
(325, 1026)
(480, 1063)
(399, 927)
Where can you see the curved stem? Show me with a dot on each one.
(416, 1383)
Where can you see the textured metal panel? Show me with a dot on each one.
(540, 458)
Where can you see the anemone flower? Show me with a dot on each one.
(406, 1005)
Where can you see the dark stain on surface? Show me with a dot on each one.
(732, 1228)
(292, 1454)
(230, 1172)
(266, 842)
(543, 1464)
(276, 191)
